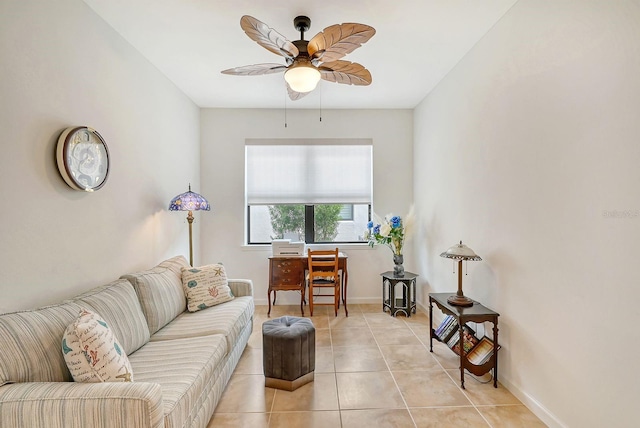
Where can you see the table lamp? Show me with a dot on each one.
(460, 253)
(189, 201)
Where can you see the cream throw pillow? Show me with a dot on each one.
(92, 352)
(205, 286)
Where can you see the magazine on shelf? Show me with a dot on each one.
(449, 330)
(443, 324)
(469, 340)
(481, 353)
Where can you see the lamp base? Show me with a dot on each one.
(456, 300)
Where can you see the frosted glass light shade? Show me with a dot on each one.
(302, 78)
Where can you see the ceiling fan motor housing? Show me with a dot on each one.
(302, 23)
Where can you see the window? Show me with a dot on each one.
(308, 192)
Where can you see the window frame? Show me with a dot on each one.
(309, 226)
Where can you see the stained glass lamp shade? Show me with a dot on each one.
(189, 201)
(460, 253)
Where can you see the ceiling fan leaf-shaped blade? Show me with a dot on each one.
(268, 38)
(338, 40)
(293, 95)
(349, 73)
(255, 69)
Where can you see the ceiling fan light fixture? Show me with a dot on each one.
(302, 78)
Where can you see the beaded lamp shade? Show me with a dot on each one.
(460, 253)
(189, 201)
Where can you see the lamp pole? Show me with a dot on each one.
(190, 220)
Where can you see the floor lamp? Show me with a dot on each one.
(460, 253)
(189, 201)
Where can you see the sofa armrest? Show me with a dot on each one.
(241, 287)
(81, 405)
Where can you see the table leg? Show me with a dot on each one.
(269, 300)
(430, 325)
(461, 352)
(346, 282)
(495, 353)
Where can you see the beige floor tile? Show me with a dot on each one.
(287, 310)
(378, 418)
(352, 337)
(366, 308)
(395, 336)
(255, 340)
(323, 338)
(515, 416)
(352, 321)
(319, 321)
(445, 356)
(324, 360)
(408, 357)
(321, 394)
(429, 389)
(250, 362)
(419, 318)
(246, 393)
(253, 420)
(322, 310)
(370, 390)
(353, 356)
(483, 393)
(422, 333)
(383, 320)
(359, 359)
(450, 417)
(322, 419)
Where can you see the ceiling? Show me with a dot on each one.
(417, 43)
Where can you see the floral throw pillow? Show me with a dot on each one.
(205, 286)
(92, 352)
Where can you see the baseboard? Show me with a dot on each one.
(532, 404)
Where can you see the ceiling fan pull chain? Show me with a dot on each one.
(320, 92)
(285, 110)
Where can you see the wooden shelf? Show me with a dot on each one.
(476, 313)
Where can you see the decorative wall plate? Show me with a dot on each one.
(83, 158)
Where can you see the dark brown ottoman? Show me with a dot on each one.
(288, 352)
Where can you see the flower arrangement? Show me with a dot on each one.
(391, 231)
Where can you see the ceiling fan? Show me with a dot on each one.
(309, 61)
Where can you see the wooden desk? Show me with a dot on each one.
(288, 273)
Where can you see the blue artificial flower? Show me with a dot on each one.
(369, 225)
(376, 230)
(395, 221)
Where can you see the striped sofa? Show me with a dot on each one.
(181, 361)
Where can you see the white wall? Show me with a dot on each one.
(528, 151)
(61, 65)
(223, 134)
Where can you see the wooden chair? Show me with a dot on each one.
(323, 275)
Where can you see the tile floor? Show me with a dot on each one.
(372, 370)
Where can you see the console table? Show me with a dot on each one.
(476, 313)
(406, 302)
(287, 273)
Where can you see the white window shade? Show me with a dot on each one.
(308, 174)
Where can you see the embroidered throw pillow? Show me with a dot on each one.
(92, 352)
(205, 286)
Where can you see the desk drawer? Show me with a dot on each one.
(286, 272)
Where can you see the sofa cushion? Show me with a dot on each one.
(92, 351)
(227, 319)
(30, 344)
(118, 305)
(205, 286)
(185, 369)
(160, 292)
